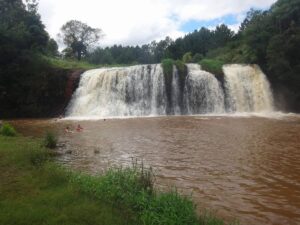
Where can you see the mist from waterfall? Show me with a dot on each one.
(142, 90)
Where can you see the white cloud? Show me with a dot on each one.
(140, 21)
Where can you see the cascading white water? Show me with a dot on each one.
(247, 89)
(202, 93)
(126, 91)
(142, 91)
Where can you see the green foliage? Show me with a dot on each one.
(167, 65)
(21, 32)
(133, 187)
(197, 58)
(222, 35)
(7, 130)
(52, 48)
(180, 65)
(23, 73)
(182, 72)
(187, 57)
(120, 196)
(170, 208)
(37, 191)
(50, 140)
(79, 37)
(212, 66)
(69, 64)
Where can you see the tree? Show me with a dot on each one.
(79, 37)
(222, 35)
(21, 31)
(52, 48)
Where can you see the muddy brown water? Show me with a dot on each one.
(246, 168)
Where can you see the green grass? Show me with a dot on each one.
(36, 190)
(213, 66)
(70, 64)
(75, 64)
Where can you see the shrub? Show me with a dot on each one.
(197, 58)
(187, 57)
(180, 66)
(212, 66)
(167, 65)
(50, 140)
(8, 130)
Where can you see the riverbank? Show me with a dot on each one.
(36, 190)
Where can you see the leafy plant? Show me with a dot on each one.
(167, 65)
(212, 66)
(187, 57)
(50, 140)
(8, 130)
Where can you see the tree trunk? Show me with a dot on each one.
(79, 55)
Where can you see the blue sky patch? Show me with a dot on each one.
(192, 25)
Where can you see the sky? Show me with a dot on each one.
(136, 22)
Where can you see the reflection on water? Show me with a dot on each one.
(245, 168)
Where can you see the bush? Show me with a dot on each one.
(167, 65)
(8, 130)
(187, 57)
(213, 66)
(180, 67)
(197, 58)
(50, 140)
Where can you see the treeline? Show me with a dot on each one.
(197, 43)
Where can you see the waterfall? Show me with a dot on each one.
(116, 92)
(247, 89)
(142, 91)
(202, 93)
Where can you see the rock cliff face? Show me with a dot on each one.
(40, 96)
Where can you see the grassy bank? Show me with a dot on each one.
(75, 64)
(69, 63)
(36, 190)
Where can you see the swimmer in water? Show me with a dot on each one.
(68, 130)
(79, 128)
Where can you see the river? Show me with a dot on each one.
(245, 168)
